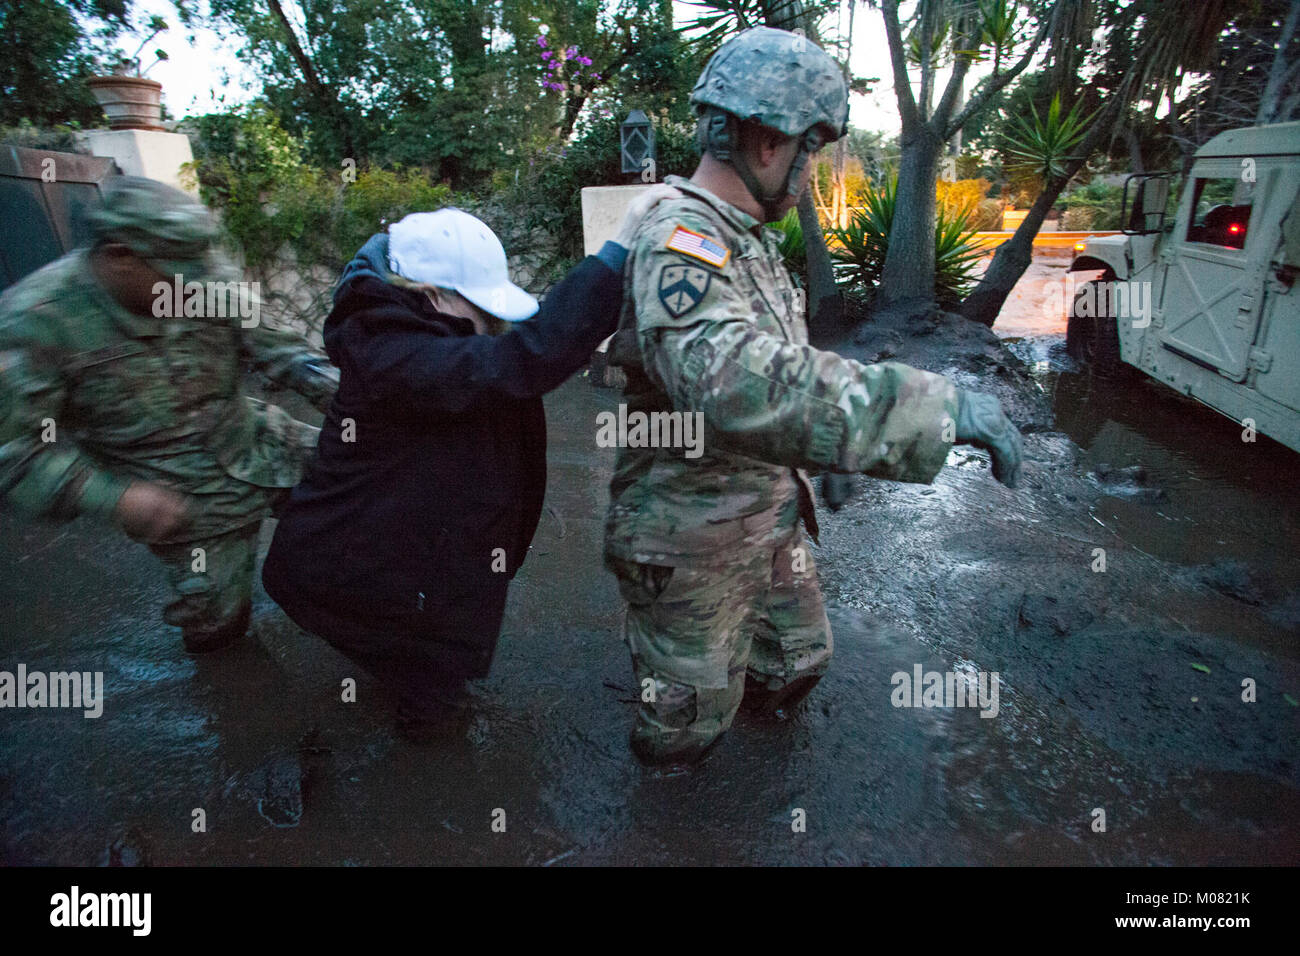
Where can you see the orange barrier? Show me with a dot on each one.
(1044, 240)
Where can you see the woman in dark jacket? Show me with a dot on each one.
(422, 499)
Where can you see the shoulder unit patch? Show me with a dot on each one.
(701, 247)
(682, 287)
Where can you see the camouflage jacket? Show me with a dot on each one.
(713, 323)
(93, 396)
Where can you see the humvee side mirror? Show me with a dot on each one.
(1148, 210)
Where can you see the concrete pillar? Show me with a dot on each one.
(144, 152)
(603, 208)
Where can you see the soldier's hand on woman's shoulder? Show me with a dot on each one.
(150, 512)
(640, 207)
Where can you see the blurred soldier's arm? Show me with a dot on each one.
(42, 471)
(288, 361)
(769, 398)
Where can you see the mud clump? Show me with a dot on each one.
(276, 788)
(1132, 482)
(1230, 578)
(920, 334)
(1041, 615)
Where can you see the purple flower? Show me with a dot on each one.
(541, 40)
(585, 60)
(571, 52)
(595, 77)
(547, 55)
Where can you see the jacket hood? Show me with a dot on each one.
(370, 261)
(364, 294)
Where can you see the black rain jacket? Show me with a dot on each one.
(427, 483)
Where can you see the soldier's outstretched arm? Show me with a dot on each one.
(287, 360)
(42, 471)
(769, 398)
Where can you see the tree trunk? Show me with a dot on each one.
(908, 272)
(1270, 102)
(824, 302)
(572, 109)
(1134, 149)
(1012, 257)
(825, 305)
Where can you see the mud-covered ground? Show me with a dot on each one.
(1120, 690)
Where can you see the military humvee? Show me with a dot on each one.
(1206, 303)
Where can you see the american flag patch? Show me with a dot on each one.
(700, 247)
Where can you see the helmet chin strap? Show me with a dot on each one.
(770, 202)
(719, 135)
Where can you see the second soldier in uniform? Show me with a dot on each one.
(111, 410)
(721, 591)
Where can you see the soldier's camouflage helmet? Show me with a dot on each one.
(779, 79)
(162, 225)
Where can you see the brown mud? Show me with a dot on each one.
(1119, 690)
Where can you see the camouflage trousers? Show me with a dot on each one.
(696, 634)
(211, 582)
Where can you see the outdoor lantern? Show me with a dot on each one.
(637, 138)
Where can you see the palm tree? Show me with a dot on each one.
(962, 28)
(1150, 44)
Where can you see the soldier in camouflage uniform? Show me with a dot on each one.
(721, 591)
(108, 410)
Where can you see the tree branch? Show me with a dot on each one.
(994, 84)
(316, 89)
(1277, 71)
(907, 110)
(948, 101)
(1287, 109)
(926, 49)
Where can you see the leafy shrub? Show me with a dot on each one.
(250, 170)
(860, 248)
(61, 138)
(963, 195)
(1077, 219)
(1094, 206)
(987, 216)
(295, 226)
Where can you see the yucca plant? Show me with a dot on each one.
(1045, 147)
(860, 247)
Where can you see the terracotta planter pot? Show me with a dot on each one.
(131, 102)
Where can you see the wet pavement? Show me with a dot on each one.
(1119, 691)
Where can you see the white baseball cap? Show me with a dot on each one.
(451, 249)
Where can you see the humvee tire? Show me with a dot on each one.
(1091, 340)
